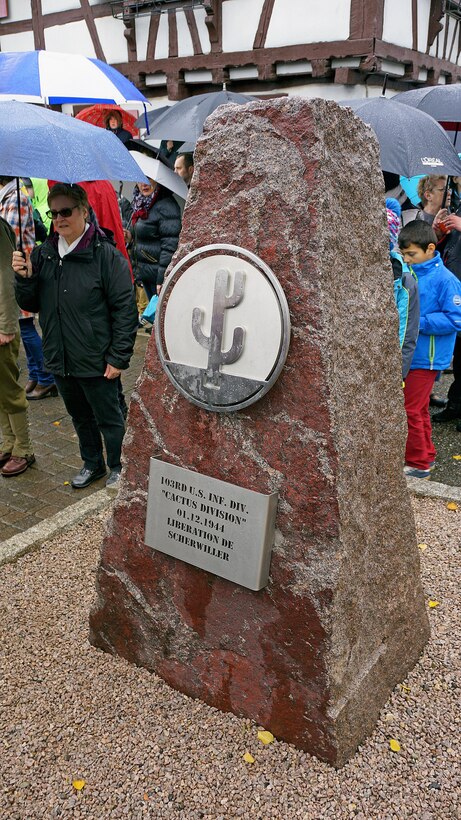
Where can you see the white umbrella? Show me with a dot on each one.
(156, 170)
(52, 78)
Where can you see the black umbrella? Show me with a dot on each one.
(411, 142)
(442, 102)
(185, 120)
(151, 117)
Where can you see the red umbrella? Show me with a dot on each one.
(96, 115)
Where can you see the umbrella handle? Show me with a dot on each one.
(145, 118)
(18, 194)
(445, 193)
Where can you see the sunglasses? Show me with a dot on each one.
(65, 212)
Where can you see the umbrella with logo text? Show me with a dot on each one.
(410, 141)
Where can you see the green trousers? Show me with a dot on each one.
(14, 423)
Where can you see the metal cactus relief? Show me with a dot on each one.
(213, 343)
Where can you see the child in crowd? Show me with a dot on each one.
(440, 320)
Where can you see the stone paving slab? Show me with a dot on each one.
(44, 490)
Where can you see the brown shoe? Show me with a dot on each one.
(41, 392)
(30, 385)
(4, 457)
(17, 465)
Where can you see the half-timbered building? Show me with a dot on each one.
(172, 49)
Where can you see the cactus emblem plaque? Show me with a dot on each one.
(222, 327)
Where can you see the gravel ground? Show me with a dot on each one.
(70, 712)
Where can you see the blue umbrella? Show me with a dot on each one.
(38, 142)
(53, 78)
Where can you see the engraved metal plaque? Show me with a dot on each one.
(220, 527)
(222, 328)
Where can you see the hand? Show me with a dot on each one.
(159, 288)
(6, 338)
(21, 264)
(452, 222)
(111, 372)
(127, 236)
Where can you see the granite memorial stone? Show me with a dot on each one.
(340, 620)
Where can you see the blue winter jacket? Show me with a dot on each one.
(440, 304)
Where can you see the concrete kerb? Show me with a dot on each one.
(433, 489)
(31, 539)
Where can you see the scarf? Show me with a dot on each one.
(142, 204)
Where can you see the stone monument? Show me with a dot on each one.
(309, 638)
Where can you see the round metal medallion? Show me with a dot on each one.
(222, 327)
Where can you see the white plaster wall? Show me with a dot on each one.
(49, 6)
(113, 43)
(302, 21)
(236, 35)
(161, 46)
(200, 15)
(185, 47)
(330, 91)
(397, 27)
(73, 38)
(142, 36)
(17, 42)
(18, 10)
(424, 7)
(451, 46)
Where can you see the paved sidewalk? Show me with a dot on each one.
(42, 491)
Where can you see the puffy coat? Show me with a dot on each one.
(440, 303)
(86, 306)
(155, 240)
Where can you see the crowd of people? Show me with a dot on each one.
(425, 245)
(87, 263)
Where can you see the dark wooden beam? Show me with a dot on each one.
(263, 25)
(37, 24)
(193, 30)
(57, 18)
(414, 23)
(172, 34)
(435, 16)
(89, 20)
(152, 37)
(213, 22)
(366, 19)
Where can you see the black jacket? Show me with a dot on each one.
(155, 240)
(86, 306)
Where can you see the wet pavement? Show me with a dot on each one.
(447, 441)
(44, 489)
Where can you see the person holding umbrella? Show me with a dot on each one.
(114, 123)
(81, 287)
(152, 235)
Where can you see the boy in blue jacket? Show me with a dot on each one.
(440, 321)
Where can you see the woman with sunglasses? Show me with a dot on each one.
(80, 286)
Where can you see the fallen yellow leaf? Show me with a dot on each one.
(457, 458)
(78, 785)
(404, 688)
(266, 737)
(248, 758)
(433, 604)
(452, 505)
(66, 483)
(56, 423)
(422, 547)
(145, 796)
(394, 744)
